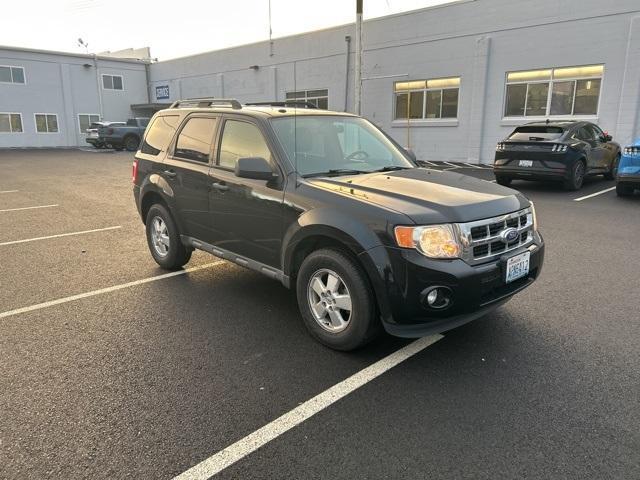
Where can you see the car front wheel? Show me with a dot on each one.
(163, 239)
(336, 301)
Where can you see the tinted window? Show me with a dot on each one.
(584, 134)
(450, 103)
(516, 96)
(537, 96)
(434, 97)
(194, 140)
(239, 140)
(587, 94)
(527, 133)
(562, 98)
(160, 134)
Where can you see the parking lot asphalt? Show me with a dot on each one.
(148, 379)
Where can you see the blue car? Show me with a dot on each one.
(628, 177)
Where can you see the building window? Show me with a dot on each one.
(9, 74)
(10, 123)
(46, 123)
(86, 119)
(112, 82)
(427, 99)
(563, 91)
(320, 98)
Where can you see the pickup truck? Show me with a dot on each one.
(127, 136)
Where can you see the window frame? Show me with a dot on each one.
(112, 75)
(171, 150)
(551, 82)
(307, 98)
(24, 75)
(35, 115)
(90, 121)
(11, 132)
(425, 91)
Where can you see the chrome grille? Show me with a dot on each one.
(481, 240)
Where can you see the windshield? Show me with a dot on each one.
(336, 145)
(533, 133)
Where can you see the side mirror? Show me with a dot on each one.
(607, 137)
(411, 153)
(256, 168)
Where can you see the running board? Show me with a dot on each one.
(270, 272)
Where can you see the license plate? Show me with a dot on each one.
(526, 163)
(518, 266)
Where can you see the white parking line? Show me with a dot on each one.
(474, 166)
(27, 208)
(9, 191)
(430, 163)
(594, 194)
(13, 242)
(252, 442)
(452, 164)
(101, 291)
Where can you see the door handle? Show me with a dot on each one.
(221, 187)
(170, 173)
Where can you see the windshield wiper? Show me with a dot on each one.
(336, 171)
(391, 168)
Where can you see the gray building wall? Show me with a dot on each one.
(476, 40)
(61, 84)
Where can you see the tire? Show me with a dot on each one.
(576, 176)
(504, 181)
(623, 190)
(360, 324)
(131, 143)
(613, 172)
(161, 229)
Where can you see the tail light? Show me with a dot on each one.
(134, 171)
(559, 148)
(501, 147)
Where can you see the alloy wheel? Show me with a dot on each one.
(160, 236)
(329, 300)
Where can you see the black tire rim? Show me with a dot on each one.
(579, 174)
(131, 144)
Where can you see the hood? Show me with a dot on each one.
(428, 196)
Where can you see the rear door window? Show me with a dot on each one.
(159, 135)
(542, 133)
(195, 139)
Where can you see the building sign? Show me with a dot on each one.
(162, 92)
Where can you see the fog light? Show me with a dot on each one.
(437, 298)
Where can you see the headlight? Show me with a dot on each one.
(632, 151)
(434, 241)
(533, 214)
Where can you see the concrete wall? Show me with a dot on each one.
(477, 40)
(61, 84)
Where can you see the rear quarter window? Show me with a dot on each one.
(160, 134)
(531, 133)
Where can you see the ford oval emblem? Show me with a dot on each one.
(509, 235)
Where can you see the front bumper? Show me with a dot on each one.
(475, 290)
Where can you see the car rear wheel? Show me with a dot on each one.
(336, 301)
(131, 143)
(163, 239)
(505, 181)
(624, 190)
(576, 176)
(613, 172)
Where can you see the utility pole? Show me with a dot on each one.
(358, 63)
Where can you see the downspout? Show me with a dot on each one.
(95, 66)
(346, 75)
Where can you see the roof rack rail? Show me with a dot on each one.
(206, 102)
(285, 103)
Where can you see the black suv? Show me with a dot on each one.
(562, 151)
(328, 204)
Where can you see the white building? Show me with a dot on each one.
(469, 71)
(48, 99)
